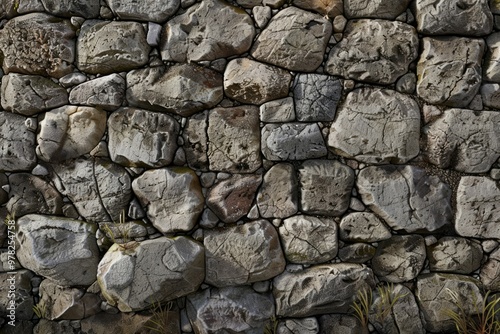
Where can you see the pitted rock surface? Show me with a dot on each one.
(455, 255)
(363, 227)
(379, 9)
(490, 272)
(306, 326)
(357, 253)
(17, 143)
(491, 72)
(84, 8)
(490, 94)
(330, 8)
(278, 195)
(145, 10)
(196, 141)
(105, 92)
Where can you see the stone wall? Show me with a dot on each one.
(247, 161)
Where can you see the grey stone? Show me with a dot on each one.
(17, 143)
(141, 138)
(400, 258)
(407, 83)
(471, 18)
(309, 240)
(231, 199)
(261, 15)
(149, 10)
(62, 249)
(243, 254)
(292, 141)
(330, 8)
(234, 139)
(490, 272)
(278, 195)
(339, 23)
(238, 310)
(363, 227)
(316, 97)
(298, 326)
(249, 81)
(376, 126)
(30, 94)
(406, 198)
(379, 9)
(180, 202)
(196, 141)
(105, 92)
(294, 39)
(464, 140)
(105, 47)
(325, 187)
(278, 111)
(357, 253)
(48, 326)
(16, 282)
(153, 271)
(72, 79)
(365, 54)
(154, 34)
(67, 8)
(249, 3)
(320, 289)
(340, 324)
(11, 8)
(4, 182)
(455, 255)
(126, 323)
(38, 43)
(209, 30)
(492, 58)
(182, 89)
(449, 70)
(490, 93)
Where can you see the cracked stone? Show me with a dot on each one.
(278, 195)
(145, 10)
(196, 141)
(379, 9)
(278, 111)
(490, 94)
(363, 227)
(17, 143)
(490, 272)
(299, 326)
(330, 8)
(455, 255)
(491, 72)
(105, 92)
(357, 253)
(68, 8)
(340, 324)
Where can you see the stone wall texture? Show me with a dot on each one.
(247, 166)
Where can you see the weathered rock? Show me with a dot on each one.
(298, 326)
(4, 182)
(292, 141)
(366, 54)
(379, 9)
(309, 240)
(38, 43)
(243, 254)
(99, 189)
(149, 10)
(67, 8)
(141, 138)
(464, 140)
(400, 258)
(357, 253)
(63, 326)
(490, 94)
(19, 283)
(278, 195)
(491, 72)
(196, 141)
(320, 289)
(207, 31)
(231, 199)
(325, 187)
(261, 15)
(64, 250)
(455, 255)
(238, 310)
(449, 70)
(249, 81)
(31, 194)
(294, 39)
(331, 8)
(135, 276)
(17, 143)
(105, 92)
(180, 202)
(339, 324)
(316, 97)
(127, 323)
(490, 272)
(471, 18)
(234, 139)
(30, 94)
(387, 132)
(278, 111)
(105, 47)
(363, 227)
(69, 132)
(407, 83)
(406, 197)
(183, 89)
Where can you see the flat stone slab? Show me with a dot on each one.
(381, 9)
(107, 92)
(145, 10)
(363, 227)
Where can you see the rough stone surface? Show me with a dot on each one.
(406, 197)
(152, 271)
(209, 30)
(330, 8)
(149, 10)
(455, 255)
(357, 253)
(385, 133)
(278, 111)
(294, 39)
(196, 141)
(339, 324)
(366, 54)
(21, 280)
(183, 89)
(64, 250)
(141, 138)
(278, 195)
(490, 94)
(490, 272)
(243, 254)
(105, 92)
(179, 204)
(363, 227)
(261, 15)
(122, 323)
(379, 9)
(491, 72)
(17, 143)
(296, 326)
(67, 8)
(449, 70)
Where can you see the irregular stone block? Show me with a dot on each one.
(325, 187)
(261, 15)
(340, 323)
(455, 255)
(490, 272)
(183, 89)
(296, 326)
(363, 227)
(38, 43)
(68, 8)
(196, 141)
(379, 9)
(490, 94)
(234, 139)
(331, 8)
(316, 97)
(320, 289)
(48, 326)
(179, 203)
(278, 111)
(292, 141)
(249, 81)
(149, 272)
(207, 31)
(17, 143)
(105, 47)
(149, 10)
(62, 249)
(4, 195)
(278, 195)
(357, 253)
(294, 39)
(465, 140)
(125, 322)
(105, 92)
(449, 70)
(376, 126)
(18, 281)
(491, 72)
(366, 54)
(406, 197)
(141, 138)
